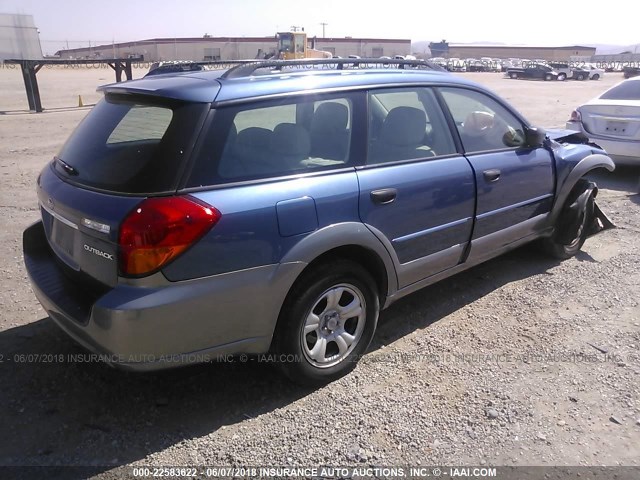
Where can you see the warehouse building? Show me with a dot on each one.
(232, 48)
(519, 51)
(19, 37)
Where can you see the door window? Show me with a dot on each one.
(483, 124)
(276, 138)
(404, 124)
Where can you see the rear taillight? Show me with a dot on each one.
(575, 116)
(160, 229)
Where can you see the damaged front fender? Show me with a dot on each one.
(581, 203)
(567, 184)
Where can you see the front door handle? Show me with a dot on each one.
(492, 175)
(384, 195)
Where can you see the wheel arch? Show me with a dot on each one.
(352, 241)
(584, 166)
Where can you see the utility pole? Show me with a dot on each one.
(324, 24)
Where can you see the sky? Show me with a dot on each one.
(543, 22)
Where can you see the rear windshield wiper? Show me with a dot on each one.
(67, 168)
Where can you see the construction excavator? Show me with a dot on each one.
(294, 45)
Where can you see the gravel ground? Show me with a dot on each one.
(520, 361)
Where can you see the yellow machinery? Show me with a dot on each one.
(293, 45)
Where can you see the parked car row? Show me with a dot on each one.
(455, 64)
(554, 71)
(524, 68)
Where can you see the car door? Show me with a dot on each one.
(417, 193)
(515, 182)
(532, 72)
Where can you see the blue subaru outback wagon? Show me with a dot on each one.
(277, 207)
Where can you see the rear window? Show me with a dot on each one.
(130, 146)
(624, 91)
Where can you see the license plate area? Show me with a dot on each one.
(63, 238)
(615, 127)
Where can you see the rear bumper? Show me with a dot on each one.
(621, 151)
(176, 323)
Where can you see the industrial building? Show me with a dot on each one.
(19, 37)
(232, 48)
(519, 51)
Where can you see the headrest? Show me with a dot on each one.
(254, 137)
(330, 116)
(404, 126)
(290, 139)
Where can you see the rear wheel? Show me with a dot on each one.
(513, 75)
(327, 322)
(580, 76)
(595, 77)
(548, 77)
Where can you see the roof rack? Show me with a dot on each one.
(246, 69)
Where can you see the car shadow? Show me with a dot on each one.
(60, 411)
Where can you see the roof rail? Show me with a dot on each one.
(246, 69)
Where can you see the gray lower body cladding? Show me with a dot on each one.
(176, 323)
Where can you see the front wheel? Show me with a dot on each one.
(562, 77)
(573, 227)
(327, 322)
(548, 77)
(580, 76)
(595, 77)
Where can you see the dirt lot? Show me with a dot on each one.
(495, 366)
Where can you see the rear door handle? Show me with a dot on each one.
(384, 195)
(492, 175)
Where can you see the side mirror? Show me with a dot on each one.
(534, 137)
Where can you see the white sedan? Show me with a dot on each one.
(612, 120)
(595, 73)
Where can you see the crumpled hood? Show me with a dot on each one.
(562, 134)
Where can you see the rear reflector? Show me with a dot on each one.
(160, 229)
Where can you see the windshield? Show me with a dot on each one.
(132, 147)
(624, 91)
(285, 43)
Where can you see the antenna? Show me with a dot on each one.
(324, 24)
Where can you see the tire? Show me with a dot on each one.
(563, 248)
(580, 77)
(562, 77)
(596, 76)
(319, 355)
(513, 75)
(548, 77)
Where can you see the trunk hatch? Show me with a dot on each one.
(127, 148)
